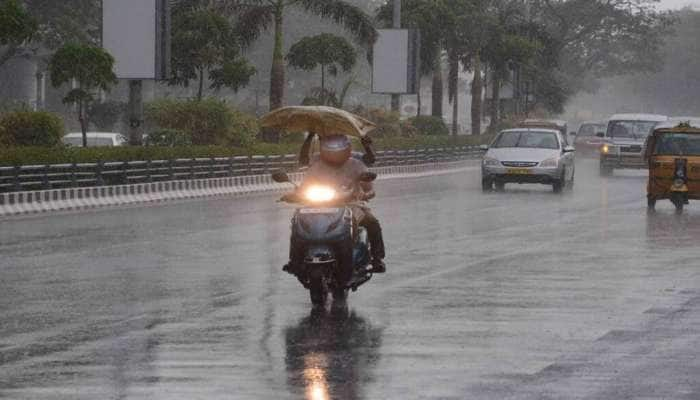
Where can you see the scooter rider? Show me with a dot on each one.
(336, 165)
(305, 154)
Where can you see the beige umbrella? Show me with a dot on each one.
(321, 120)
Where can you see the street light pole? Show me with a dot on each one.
(396, 98)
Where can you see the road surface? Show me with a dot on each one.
(516, 295)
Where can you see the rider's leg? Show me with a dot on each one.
(376, 240)
(296, 257)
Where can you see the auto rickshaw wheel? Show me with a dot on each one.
(651, 202)
(678, 200)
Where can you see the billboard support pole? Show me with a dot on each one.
(395, 98)
(135, 112)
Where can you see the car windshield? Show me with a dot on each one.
(682, 144)
(527, 139)
(631, 129)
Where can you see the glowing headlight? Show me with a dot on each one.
(319, 194)
(605, 149)
(550, 163)
(488, 161)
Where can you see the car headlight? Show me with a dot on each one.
(607, 148)
(550, 163)
(490, 162)
(319, 194)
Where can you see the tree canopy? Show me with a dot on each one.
(330, 52)
(17, 27)
(92, 68)
(206, 44)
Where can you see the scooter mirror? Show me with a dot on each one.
(280, 177)
(368, 177)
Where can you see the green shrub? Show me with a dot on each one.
(208, 121)
(244, 129)
(31, 128)
(66, 155)
(429, 125)
(168, 138)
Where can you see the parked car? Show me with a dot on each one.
(589, 138)
(95, 139)
(525, 155)
(624, 141)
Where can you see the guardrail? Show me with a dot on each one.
(60, 176)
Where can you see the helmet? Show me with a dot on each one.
(335, 149)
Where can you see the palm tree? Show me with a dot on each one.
(256, 16)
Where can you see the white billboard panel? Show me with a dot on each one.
(395, 61)
(132, 34)
(390, 61)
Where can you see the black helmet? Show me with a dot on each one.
(336, 149)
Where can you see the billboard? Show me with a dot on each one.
(395, 62)
(137, 34)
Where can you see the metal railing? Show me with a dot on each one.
(58, 176)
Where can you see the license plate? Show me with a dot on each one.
(318, 210)
(518, 171)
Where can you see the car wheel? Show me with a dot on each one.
(570, 186)
(559, 184)
(486, 184)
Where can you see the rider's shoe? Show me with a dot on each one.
(378, 266)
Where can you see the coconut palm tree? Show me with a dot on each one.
(257, 16)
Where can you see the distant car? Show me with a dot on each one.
(589, 138)
(528, 155)
(95, 139)
(624, 141)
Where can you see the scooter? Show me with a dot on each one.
(336, 251)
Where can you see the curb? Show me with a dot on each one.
(75, 199)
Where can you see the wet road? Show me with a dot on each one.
(522, 295)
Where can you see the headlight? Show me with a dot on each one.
(489, 162)
(550, 163)
(319, 194)
(607, 149)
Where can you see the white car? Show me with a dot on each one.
(528, 155)
(95, 139)
(624, 141)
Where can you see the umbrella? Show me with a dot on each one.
(321, 120)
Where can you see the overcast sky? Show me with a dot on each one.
(679, 3)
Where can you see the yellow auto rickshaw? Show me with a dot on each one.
(673, 155)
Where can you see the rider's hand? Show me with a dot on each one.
(289, 198)
(366, 141)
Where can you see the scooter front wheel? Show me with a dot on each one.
(318, 292)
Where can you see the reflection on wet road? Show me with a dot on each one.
(522, 294)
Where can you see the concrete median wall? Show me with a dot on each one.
(35, 202)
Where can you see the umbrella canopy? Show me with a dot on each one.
(321, 120)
